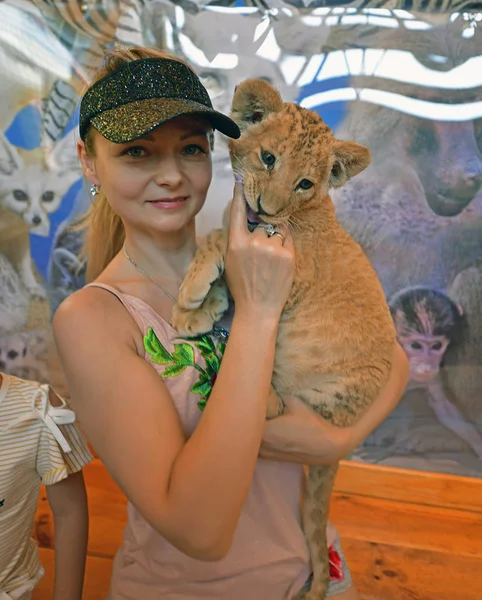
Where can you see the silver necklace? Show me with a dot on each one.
(218, 332)
(141, 270)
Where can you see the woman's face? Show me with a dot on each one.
(159, 181)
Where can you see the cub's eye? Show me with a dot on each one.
(267, 158)
(304, 184)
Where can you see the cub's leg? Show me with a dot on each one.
(206, 267)
(315, 519)
(341, 401)
(196, 321)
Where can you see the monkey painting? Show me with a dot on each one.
(427, 322)
(424, 185)
(463, 361)
(417, 213)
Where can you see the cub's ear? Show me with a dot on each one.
(253, 100)
(350, 159)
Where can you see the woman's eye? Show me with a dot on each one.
(193, 149)
(135, 152)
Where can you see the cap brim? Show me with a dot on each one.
(131, 121)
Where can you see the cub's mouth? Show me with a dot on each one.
(252, 217)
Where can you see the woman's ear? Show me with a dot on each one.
(88, 163)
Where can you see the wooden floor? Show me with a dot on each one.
(407, 535)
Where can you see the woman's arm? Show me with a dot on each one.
(190, 490)
(302, 436)
(68, 501)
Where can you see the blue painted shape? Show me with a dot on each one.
(41, 247)
(74, 120)
(334, 112)
(25, 129)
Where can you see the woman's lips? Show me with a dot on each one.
(169, 203)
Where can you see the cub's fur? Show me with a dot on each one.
(336, 334)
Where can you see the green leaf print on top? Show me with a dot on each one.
(183, 357)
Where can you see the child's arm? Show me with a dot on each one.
(68, 501)
(62, 455)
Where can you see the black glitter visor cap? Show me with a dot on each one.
(143, 94)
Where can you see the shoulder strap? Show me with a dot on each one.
(125, 300)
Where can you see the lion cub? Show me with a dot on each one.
(336, 335)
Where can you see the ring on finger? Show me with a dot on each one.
(262, 227)
(270, 230)
(279, 234)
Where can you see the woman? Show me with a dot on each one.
(207, 518)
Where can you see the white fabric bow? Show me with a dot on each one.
(52, 416)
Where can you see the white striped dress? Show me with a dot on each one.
(39, 444)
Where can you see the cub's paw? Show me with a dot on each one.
(217, 301)
(190, 323)
(309, 595)
(318, 586)
(196, 286)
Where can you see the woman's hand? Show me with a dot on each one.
(259, 269)
(300, 435)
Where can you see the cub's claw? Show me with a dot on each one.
(190, 323)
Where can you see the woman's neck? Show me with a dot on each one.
(166, 257)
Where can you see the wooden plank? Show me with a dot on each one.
(410, 520)
(380, 571)
(96, 583)
(389, 572)
(404, 485)
(407, 535)
(408, 526)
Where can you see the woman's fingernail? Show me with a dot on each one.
(238, 179)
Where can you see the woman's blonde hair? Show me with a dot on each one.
(104, 230)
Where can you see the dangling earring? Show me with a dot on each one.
(94, 190)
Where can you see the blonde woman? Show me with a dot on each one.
(208, 518)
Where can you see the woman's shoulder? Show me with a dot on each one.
(92, 309)
(85, 302)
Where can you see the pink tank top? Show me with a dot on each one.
(269, 558)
